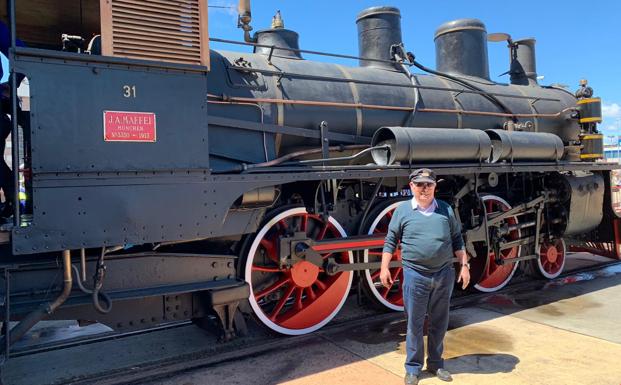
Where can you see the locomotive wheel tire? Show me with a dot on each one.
(381, 298)
(551, 260)
(304, 298)
(494, 276)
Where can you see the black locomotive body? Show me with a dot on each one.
(170, 182)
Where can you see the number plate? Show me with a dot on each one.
(121, 126)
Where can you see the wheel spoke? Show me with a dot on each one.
(283, 225)
(280, 283)
(393, 277)
(385, 292)
(270, 248)
(490, 264)
(376, 275)
(322, 232)
(322, 286)
(304, 224)
(298, 298)
(396, 275)
(266, 269)
(281, 303)
(311, 293)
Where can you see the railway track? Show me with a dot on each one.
(258, 341)
(102, 337)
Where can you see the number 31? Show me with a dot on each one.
(129, 91)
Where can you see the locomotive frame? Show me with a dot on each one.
(165, 236)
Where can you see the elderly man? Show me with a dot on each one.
(429, 234)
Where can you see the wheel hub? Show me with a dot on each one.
(304, 274)
(551, 254)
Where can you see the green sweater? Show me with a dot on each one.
(427, 242)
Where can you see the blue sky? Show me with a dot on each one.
(575, 39)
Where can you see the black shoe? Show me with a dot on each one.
(411, 379)
(442, 374)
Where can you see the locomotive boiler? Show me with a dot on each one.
(279, 86)
(231, 184)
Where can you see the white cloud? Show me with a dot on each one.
(611, 112)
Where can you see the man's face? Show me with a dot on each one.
(424, 192)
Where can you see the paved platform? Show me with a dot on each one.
(568, 332)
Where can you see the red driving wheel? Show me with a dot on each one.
(302, 298)
(495, 275)
(551, 259)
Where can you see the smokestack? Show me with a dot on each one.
(461, 48)
(379, 28)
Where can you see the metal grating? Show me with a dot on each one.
(163, 30)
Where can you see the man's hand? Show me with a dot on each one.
(464, 277)
(386, 278)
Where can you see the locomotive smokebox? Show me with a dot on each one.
(523, 65)
(461, 48)
(379, 28)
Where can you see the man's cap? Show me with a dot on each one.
(423, 175)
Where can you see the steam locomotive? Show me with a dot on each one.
(167, 181)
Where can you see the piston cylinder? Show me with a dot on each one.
(425, 145)
(520, 145)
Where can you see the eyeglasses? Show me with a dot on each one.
(424, 184)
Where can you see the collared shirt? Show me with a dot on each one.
(426, 212)
(428, 238)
